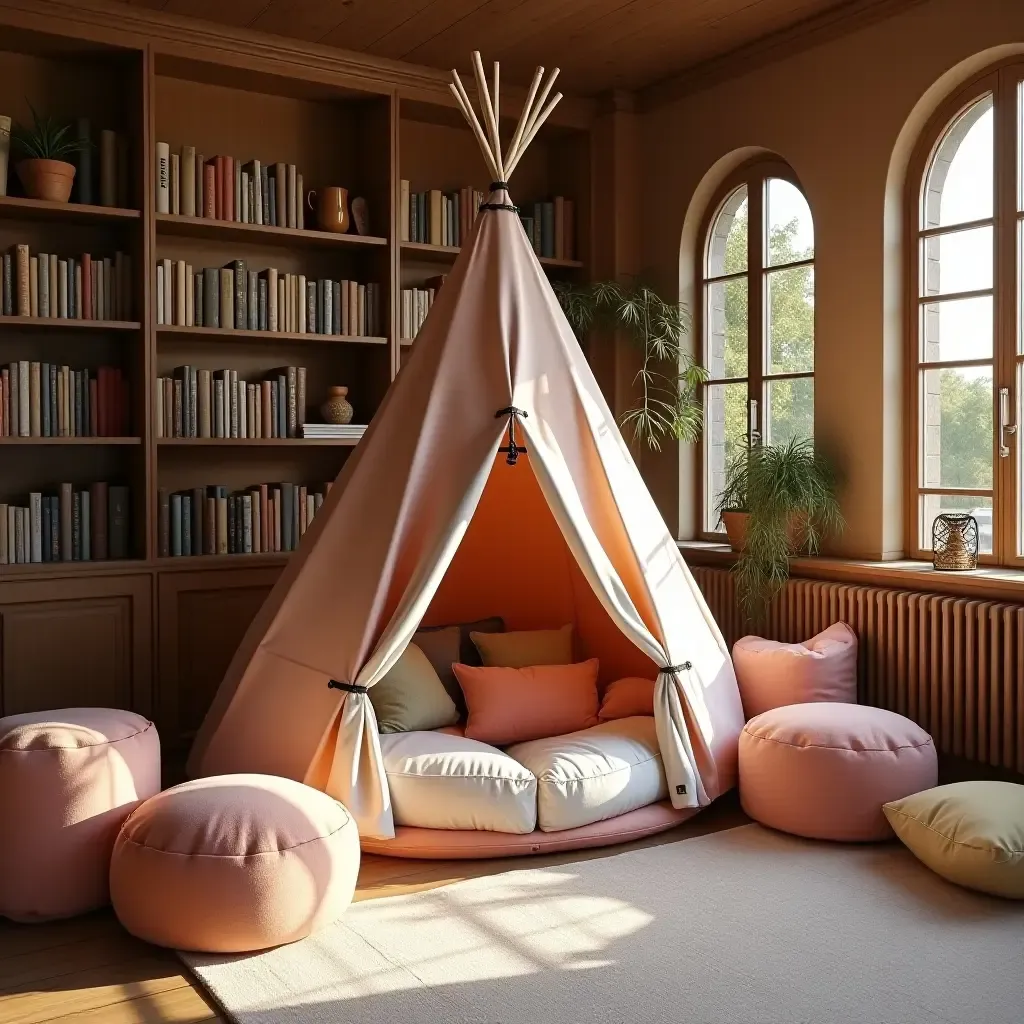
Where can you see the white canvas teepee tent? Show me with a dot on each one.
(431, 520)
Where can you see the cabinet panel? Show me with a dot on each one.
(73, 643)
(202, 619)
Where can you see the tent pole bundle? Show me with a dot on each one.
(535, 112)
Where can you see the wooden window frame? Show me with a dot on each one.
(1002, 81)
(755, 174)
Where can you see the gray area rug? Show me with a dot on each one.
(745, 926)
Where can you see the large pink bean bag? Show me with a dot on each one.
(772, 674)
(824, 770)
(68, 780)
(234, 863)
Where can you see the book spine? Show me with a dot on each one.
(24, 291)
(5, 151)
(85, 531)
(108, 168)
(281, 195)
(210, 190)
(241, 301)
(175, 198)
(66, 513)
(35, 501)
(98, 520)
(252, 302)
(188, 181)
(117, 520)
(76, 526)
(163, 178)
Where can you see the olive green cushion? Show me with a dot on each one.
(411, 697)
(971, 833)
(524, 648)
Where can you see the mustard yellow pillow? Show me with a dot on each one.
(971, 833)
(525, 647)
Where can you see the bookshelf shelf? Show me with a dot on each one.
(193, 562)
(59, 324)
(234, 334)
(259, 234)
(257, 442)
(16, 208)
(50, 570)
(79, 441)
(447, 254)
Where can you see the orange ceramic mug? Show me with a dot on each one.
(331, 208)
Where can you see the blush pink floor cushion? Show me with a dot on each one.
(771, 674)
(68, 780)
(824, 770)
(234, 863)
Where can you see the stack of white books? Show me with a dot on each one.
(347, 431)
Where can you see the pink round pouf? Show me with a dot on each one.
(824, 770)
(234, 863)
(68, 780)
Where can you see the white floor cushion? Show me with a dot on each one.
(440, 780)
(595, 773)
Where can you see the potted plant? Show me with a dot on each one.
(42, 167)
(779, 500)
(669, 404)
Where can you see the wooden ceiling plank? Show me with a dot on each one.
(372, 21)
(228, 12)
(309, 20)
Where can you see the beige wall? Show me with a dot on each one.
(845, 115)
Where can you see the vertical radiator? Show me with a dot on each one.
(954, 665)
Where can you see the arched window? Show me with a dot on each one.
(967, 205)
(757, 321)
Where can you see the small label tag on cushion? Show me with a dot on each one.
(680, 791)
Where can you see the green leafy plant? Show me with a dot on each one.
(668, 378)
(789, 494)
(46, 139)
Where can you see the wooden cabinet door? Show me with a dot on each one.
(76, 643)
(202, 617)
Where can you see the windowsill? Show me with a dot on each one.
(905, 574)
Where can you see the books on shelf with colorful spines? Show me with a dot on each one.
(198, 402)
(47, 400)
(234, 297)
(551, 228)
(87, 524)
(416, 303)
(214, 520)
(84, 287)
(437, 217)
(225, 188)
(338, 431)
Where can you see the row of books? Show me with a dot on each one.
(241, 299)
(439, 218)
(47, 400)
(73, 525)
(551, 228)
(416, 303)
(103, 172)
(223, 188)
(214, 520)
(217, 403)
(76, 288)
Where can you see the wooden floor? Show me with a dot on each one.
(90, 971)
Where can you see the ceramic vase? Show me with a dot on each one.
(337, 408)
(361, 215)
(47, 179)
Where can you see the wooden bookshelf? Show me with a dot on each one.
(159, 631)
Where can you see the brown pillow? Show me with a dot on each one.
(525, 647)
(457, 637)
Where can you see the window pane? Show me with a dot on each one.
(958, 262)
(727, 242)
(956, 405)
(959, 184)
(725, 427)
(790, 320)
(726, 343)
(975, 505)
(790, 227)
(961, 329)
(789, 409)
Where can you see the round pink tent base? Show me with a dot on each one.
(450, 844)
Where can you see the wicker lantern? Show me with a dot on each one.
(955, 541)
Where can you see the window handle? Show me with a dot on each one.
(1005, 426)
(755, 434)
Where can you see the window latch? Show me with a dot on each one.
(1005, 426)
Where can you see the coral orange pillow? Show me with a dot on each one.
(626, 698)
(513, 705)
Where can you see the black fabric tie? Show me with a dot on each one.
(347, 687)
(511, 451)
(685, 667)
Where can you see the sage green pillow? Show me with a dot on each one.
(411, 697)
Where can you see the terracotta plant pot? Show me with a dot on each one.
(47, 179)
(735, 524)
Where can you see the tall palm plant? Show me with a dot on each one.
(668, 379)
